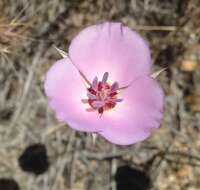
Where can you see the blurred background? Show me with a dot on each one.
(39, 153)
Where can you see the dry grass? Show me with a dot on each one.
(170, 157)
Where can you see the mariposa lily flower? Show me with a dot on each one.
(104, 85)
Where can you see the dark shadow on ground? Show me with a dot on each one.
(34, 159)
(128, 178)
(8, 184)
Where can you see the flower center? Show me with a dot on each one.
(101, 95)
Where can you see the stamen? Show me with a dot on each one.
(94, 83)
(98, 104)
(92, 91)
(105, 77)
(101, 95)
(100, 86)
(113, 94)
(114, 86)
(90, 109)
(119, 100)
(100, 110)
(91, 96)
(84, 101)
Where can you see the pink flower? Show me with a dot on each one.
(104, 85)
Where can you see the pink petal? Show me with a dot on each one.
(129, 122)
(66, 90)
(112, 48)
(140, 111)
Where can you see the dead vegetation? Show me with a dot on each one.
(28, 31)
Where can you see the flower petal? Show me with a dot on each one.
(65, 89)
(112, 48)
(140, 111)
